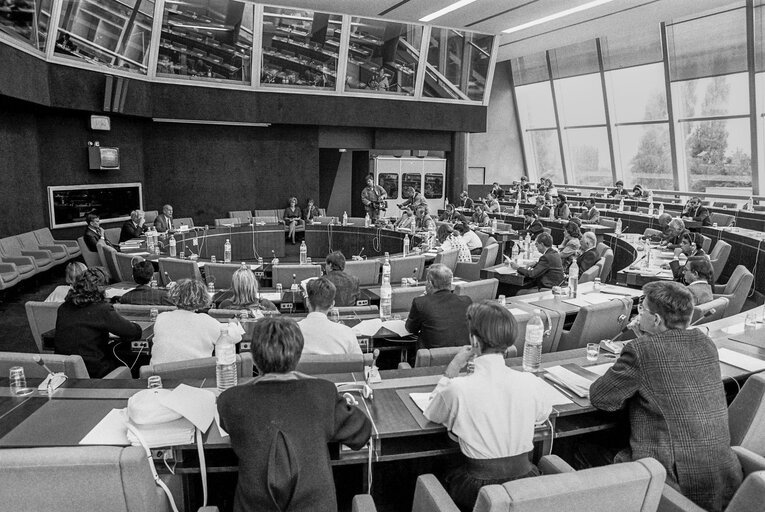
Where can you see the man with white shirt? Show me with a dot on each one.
(322, 336)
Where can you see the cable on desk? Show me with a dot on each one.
(329, 237)
(254, 249)
(376, 240)
(552, 430)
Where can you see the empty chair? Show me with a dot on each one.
(609, 223)
(478, 290)
(367, 271)
(472, 271)
(201, 368)
(591, 273)
(42, 318)
(52, 479)
(124, 263)
(723, 220)
(9, 275)
(483, 236)
(314, 364)
(11, 247)
(109, 261)
(276, 214)
(172, 269)
(714, 309)
(719, 257)
(595, 322)
(113, 235)
(282, 274)
(227, 222)
(91, 257)
(706, 243)
(45, 237)
(401, 298)
(736, 290)
(28, 241)
(183, 221)
(150, 216)
(240, 214)
(448, 258)
(220, 274)
(605, 263)
(72, 366)
(410, 266)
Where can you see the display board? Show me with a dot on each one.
(68, 205)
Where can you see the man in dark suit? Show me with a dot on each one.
(438, 317)
(589, 255)
(498, 191)
(346, 285)
(548, 271)
(591, 215)
(619, 190)
(669, 380)
(143, 272)
(465, 202)
(531, 224)
(690, 245)
(164, 221)
(134, 227)
(695, 211)
(94, 233)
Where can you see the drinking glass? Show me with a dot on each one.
(502, 300)
(153, 314)
(334, 315)
(155, 382)
(19, 382)
(597, 285)
(592, 351)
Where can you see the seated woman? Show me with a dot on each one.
(491, 204)
(561, 210)
(244, 289)
(84, 323)
(472, 241)
(406, 221)
(73, 270)
(185, 333)
(452, 215)
(571, 244)
(450, 239)
(637, 191)
(311, 211)
(492, 411)
(293, 217)
(480, 217)
(280, 424)
(545, 273)
(551, 189)
(699, 274)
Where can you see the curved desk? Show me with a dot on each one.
(322, 239)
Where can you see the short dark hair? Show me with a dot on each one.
(670, 300)
(702, 266)
(91, 217)
(562, 198)
(572, 228)
(620, 182)
(528, 212)
(461, 228)
(143, 272)
(544, 239)
(335, 260)
(321, 293)
(693, 238)
(591, 200)
(277, 344)
(493, 325)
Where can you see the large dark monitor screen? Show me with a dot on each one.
(68, 205)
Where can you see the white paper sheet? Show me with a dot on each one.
(579, 301)
(570, 380)
(553, 395)
(397, 326)
(272, 296)
(421, 400)
(739, 360)
(506, 271)
(597, 298)
(116, 292)
(110, 431)
(195, 404)
(518, 312)
(599, 369)
(223, 433)
(367, 327)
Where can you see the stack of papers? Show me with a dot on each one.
(579, 385)
(171, 433)
(397, 326)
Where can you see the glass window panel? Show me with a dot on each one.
(535, 105)
(645, 156)
(637, 94)
(580, 100)
(383, 56)
(759, 38)
(207, 40)
(630, 48)
(717, 153)
(545, 154)
(458, 63)
(588, 158)
(26, 20)
(574, 59)
(434, 185)
(718, 96)
(708, 46)
(389, 181)
(108, 32)
(411, 179)
(530, 69)
(300, 47)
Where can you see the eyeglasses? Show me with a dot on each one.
(641, 308)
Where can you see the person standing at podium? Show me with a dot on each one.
(373, 197)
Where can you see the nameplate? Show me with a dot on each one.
(245, 345)
(286, 306)
(362, 302)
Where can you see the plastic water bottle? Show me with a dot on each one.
(385, 290)
(517, 209)
(225, 360)
(750, 204)
(150, 242)
(431, 236)
(345, 218)
(573, 280)
(367, 220)
(406, 245)
(661, 208)
(294, 288)
(650, 209)
(516, 253)
(532, 349)
(227, 252)
(618, 228)
(527, 243)
(303, 253)
(650, 196)
(493, 226)
(172, 247)
(552, 213)
(621, 205)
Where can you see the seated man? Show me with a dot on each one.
(695, 211)
(472, 241)
(422, 219)
(493, 410)
(94, 233)
(690, 245)
(531, 224)
(541, 208)
(346, 285)
(413, 198)
(673, 233)
(491, 205)
(664, 220)
(591, 215)
(589, 255)
(452, 215)
(698, 274)
(480, 217)
(619, 190)
(321, 335)
(465, 201)
(438, 317)
(669, 379)
(143, 272)
(133, 228)
(164, 221)
(498, 191)
(548, 271)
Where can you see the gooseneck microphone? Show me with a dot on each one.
(705, 315)
(37, 359)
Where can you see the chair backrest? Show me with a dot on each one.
(706, 243)
(405, 267)
(314, 364)
(720, 305)
(368, 271)
(282, 274)
(483, 236)
(601, 249)
(267, 213)
(401, 298)
(478, 290)
(113, 235)
(120, 477)
(220, 274)
(719, 257)
(635, 486)
(488, 256)
(73, 366)
(140, 310)
(547, 230)
(591, 273)
(596, 322)
(203, 367)
(183, 221)
(608, 223)
(44, 236)
(150, 216)
(651, 232)
(91, 258)
(124, 263)
(172, 269)
(746, 416)
(448, 258)
(228, 222)
(240, 214)
(108, 257)
(750, 495)
(443, 355)
(42, 318)
(606, 262)
(722, 220)
(736, 290)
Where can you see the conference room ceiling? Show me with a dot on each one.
(494, 16)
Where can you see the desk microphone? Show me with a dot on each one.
(53, 380)
(361, 251)
(37, 359)
(708, 313)
(375, 355)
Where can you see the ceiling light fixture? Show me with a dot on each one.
(557, 15)
(446, 10)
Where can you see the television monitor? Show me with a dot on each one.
(103, 158)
